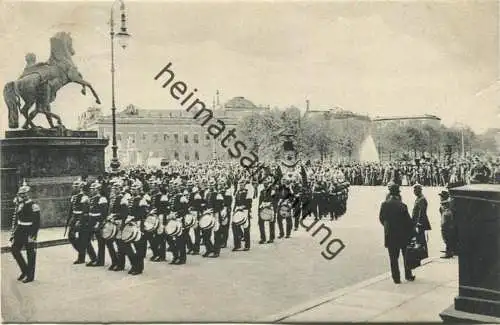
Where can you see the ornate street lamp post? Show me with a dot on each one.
(122, 37)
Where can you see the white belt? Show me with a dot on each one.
(22, 223)
(77, 212)
(94, 214)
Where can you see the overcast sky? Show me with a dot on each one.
(376, 58)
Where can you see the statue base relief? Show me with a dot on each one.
(49, 160)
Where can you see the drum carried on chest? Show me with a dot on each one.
(173, 227)
(240, 217)
(285, 210)
(131, 232)
(207, 221)
(224, 217)
(109, 230)
(151, 223)
(190, 219)
(266, 211)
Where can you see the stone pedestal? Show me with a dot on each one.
(477, 212)
(49, 160)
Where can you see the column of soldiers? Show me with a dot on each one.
(178, 214)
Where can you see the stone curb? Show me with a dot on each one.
(43, 244)
(275, 318)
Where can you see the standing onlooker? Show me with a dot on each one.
(398, 228)
(420, 218)
(448, 227)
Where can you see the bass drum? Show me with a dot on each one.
(240, 217)
(151, 223)
(109, 230)
(266, 212)
(173, 228)
(207, 221)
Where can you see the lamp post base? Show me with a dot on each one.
(115, 166)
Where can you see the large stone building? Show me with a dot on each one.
(416, 121)
(143, 134)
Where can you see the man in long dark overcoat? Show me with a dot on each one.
(398, 228)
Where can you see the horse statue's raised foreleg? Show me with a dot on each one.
(87, 84)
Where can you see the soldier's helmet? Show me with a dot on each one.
(95, 185)
(24, 188)
(78, 183)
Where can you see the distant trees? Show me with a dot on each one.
(324, 136)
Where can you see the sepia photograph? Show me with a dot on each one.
(250, 161)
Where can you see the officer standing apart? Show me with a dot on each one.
(25, 227)
(398, 228)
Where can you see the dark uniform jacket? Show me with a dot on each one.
(419, 214)
(398, 226)
(27, 218)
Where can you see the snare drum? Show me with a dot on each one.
(190, 219)
(109, 230)
(240, 217)
(266, 212)
(207, 221)
(151, 223)
(173, 228)
(285, 210)
(130, 232)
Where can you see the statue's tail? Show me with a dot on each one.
(13, 104)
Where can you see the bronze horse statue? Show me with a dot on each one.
(40, 82)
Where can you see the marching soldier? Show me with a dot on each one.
(138, 210)
(153, 199)
(285, 194)
(267, 198)
(79, 232)
(243, 201)
(25, 227)
(196, 201)
(118, 211)
(228, 190)
(181, 205)
(161, 238)
(297, 203)
(212, 205)
(97, 212)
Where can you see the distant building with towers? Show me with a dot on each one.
(172, 134)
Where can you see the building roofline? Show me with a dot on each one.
(417, 117)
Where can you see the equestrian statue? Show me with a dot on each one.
(40, 82)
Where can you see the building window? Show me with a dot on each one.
(196, 155)
(155, 138)
(195, 138)
(186, 138)
(186, 156)
(176, 155)
(118, 137)
(132, 138)
(144, 137)
(165, 137)
(207, 137)
(176, 138)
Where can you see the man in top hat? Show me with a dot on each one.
(448, 227)
(419, 214)
(97, 212)
(398, 228)
(25, 230)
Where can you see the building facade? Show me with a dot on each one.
(144, 135)
(416, 121)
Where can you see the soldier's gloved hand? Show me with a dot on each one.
(31, 239)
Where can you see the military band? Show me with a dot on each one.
(180, 214)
